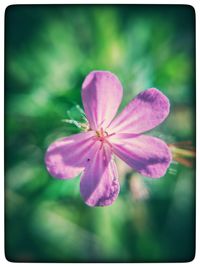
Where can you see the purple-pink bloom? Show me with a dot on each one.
(92, 152)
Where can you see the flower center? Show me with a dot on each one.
(103, 136)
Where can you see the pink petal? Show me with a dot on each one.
(99, 182)
(67, 157)
(148, 155)
(101, 95)
(146, 111)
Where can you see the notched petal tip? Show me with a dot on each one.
(57, 167)
(98, 74)
(161, 101)
(164, 162)
(109, 196)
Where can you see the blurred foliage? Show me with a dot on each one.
(49, 51)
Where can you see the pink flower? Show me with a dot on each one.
(92, 152)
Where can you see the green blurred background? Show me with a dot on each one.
(49, 51)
